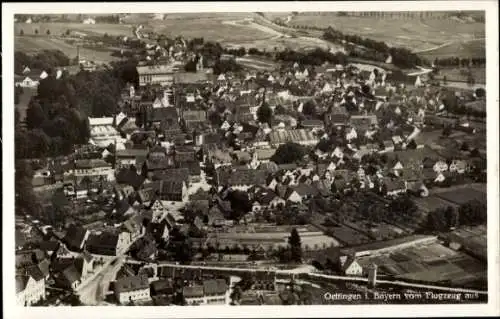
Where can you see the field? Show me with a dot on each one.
(210, 27)
(32, 44)
(433, 262)
(464, 49)
(460, 74)
(415, 34)
(57, 28)
(463, 195)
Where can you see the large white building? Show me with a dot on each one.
(102, 131)
(300, 136)
(94, 168)
(156, 74)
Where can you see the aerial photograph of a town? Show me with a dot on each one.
(250, 158)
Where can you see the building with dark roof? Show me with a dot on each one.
(75, 238)
(131, 289)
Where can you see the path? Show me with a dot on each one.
(313, 275)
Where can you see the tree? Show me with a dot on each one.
(265, 114)
(288, 153)
(412, 145)
(295, 245)
(309, 108)
(190, 66)
(446, 131)
(464, 147)
(35, 116)
(480, 92)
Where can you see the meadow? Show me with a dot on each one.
(32, 44)
(415, 34)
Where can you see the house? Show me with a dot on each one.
(440, 166)
(395, 187)
(76, 238)
(215, 292)
(27, 82)
(94, 168)
(299, 136)
(108, 244)
(30, 287)
(313, 124)
(162, 287)
(241, 178)
(459, 166)
(127, 177)
(175, 191)
(194, 295)
(70, 272)
(171, 174)
(192, 119)
(158, 211)
(132, 289)
(124, 158)
(134, 226)
(162, 74)
(266, 198)
(350, 266)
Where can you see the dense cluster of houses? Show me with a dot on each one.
(191, 138)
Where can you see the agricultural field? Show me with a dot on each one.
(31, 44)
(57, 28)
(415, 34)
(474, 48)
(463, 195)
(218, 29)
(432, 262)
(461, 74)
(256, 63)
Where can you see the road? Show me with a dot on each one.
(95, 290)
(307, 271)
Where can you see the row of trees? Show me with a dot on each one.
(401, 57)
(44, 60)
(56, 118)
(471, 213)
(460, 62)
(315, 57)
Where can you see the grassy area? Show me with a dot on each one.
(58, 28)
(460, 74)
(462, 49)
(31, 44)
(414, 33)
(211, 29)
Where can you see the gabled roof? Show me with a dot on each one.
(133, 283)
(193, 291)
(128, 177)
(75, 236)
(215, 287)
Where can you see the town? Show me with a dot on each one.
(185, 172)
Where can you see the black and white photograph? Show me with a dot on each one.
(215, 154)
